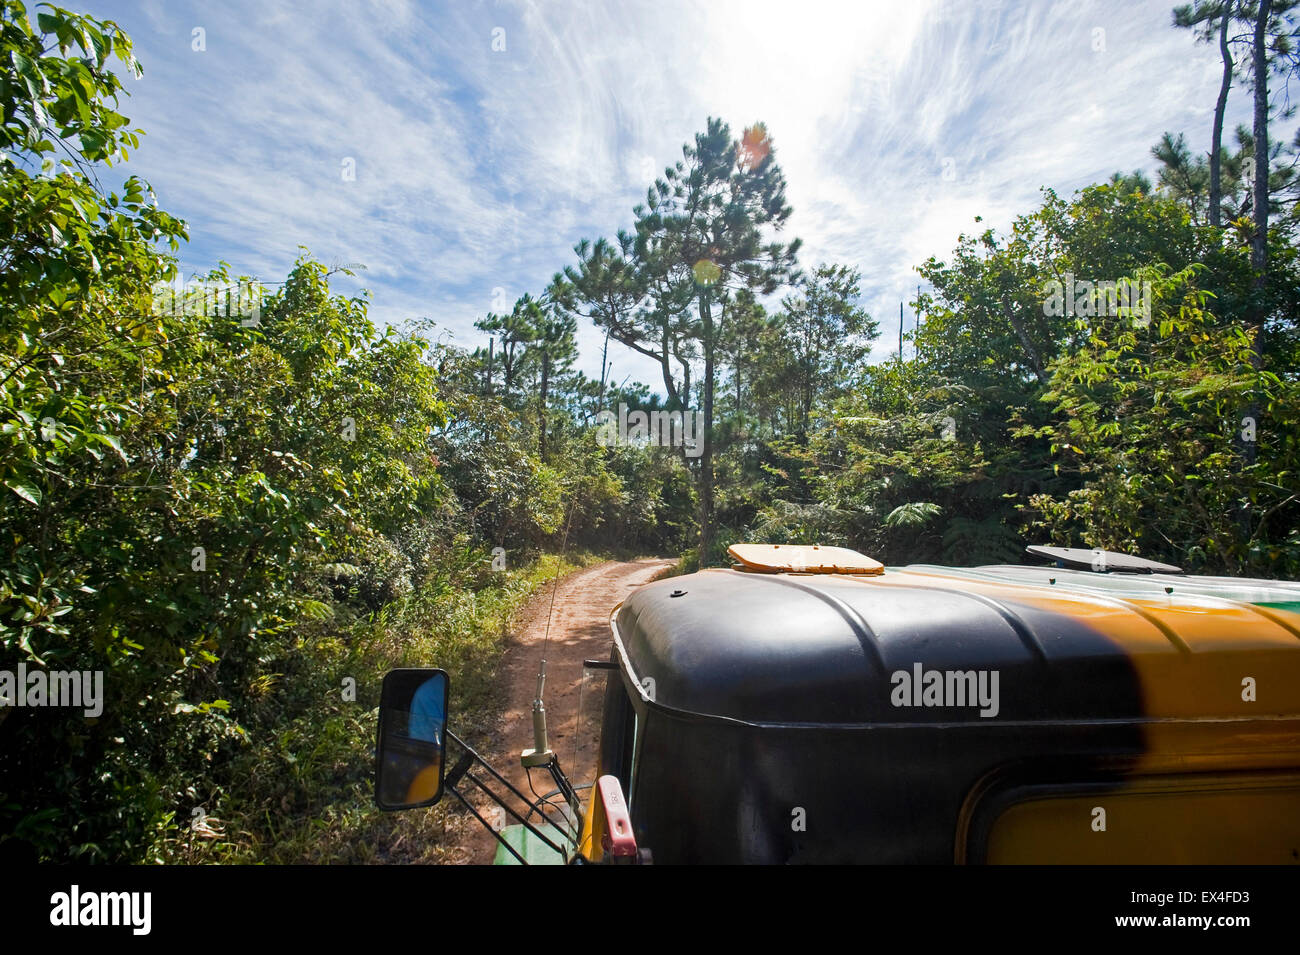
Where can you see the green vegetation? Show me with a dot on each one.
(1117, 370)
(304, 795)
(241, 521)
(243, 518)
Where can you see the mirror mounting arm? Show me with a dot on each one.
(562, 783)
(462, 765)
(462, 771)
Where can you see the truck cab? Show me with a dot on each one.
(808, 705)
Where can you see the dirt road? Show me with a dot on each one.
(579, 631)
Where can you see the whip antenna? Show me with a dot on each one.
(541, 753)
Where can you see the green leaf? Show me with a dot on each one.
(26, 491)
(111, 441)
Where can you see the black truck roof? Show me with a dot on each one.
(827, 647)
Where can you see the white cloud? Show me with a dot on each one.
(478, 168)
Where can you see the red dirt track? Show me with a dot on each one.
(579, 631)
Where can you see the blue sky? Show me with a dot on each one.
(477, 169)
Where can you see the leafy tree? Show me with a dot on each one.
(552, 352)
(670, 289)
(826, 334)
(1212, 19)
(513, 332)
(1151, 424)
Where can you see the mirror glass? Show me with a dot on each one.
(409, 762)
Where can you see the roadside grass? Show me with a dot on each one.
(300, 792)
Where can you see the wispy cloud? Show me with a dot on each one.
(487, 139)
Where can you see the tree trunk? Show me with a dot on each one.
(706, 458)
(1259, 238)
(808, 372)
(546, 381)
(740, 390)
(604, 371)
(1216, 140)
(666, 367)
(507, 366)
(1035, 362)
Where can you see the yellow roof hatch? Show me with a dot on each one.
(803, 559)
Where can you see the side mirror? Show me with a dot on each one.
(409, 764)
